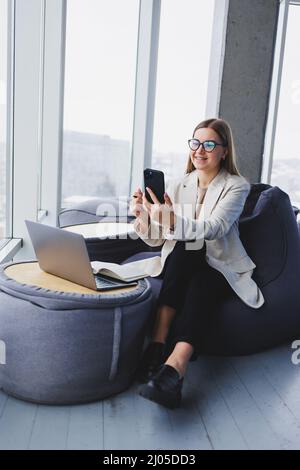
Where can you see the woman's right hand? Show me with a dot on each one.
(136, 203)
(137, 209)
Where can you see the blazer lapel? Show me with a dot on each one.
(188, 191)
(213, 192)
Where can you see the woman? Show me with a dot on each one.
(202, 258)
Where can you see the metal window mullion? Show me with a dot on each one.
(267, 161)
(27, 76)
(216, 58)
(41, 104)
(10, 118)
(54, 57)
(145, 86)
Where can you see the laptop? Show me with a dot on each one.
(65, 255)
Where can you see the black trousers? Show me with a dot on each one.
(194, 289)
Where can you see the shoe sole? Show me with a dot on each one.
(156, 396)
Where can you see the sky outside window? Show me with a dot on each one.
(182, 75)
(286, 157)
(100, 67)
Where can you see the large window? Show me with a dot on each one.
(286, 155)
(182, 74)
(5, 108)
(100, 67)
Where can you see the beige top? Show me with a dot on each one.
(200, 198)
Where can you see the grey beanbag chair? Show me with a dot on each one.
(64, 348)
(110, 209)
(269, 232)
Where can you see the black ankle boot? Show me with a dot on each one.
(152, 358)
(164, 388)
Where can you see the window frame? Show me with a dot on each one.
(37, 109)
(39, 40)
(145, 87)
(10, 116)
(217, 56)
(267, 159)
(9, 128)
(53, 101)
(10, 245)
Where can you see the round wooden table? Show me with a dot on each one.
(67, 344)
(30, 273)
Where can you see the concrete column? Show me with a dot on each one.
(246, 78)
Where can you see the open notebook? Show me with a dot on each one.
(124, 272)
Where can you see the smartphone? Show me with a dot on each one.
(155, 180)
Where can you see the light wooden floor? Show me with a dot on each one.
(248, 402)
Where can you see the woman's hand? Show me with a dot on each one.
(163, 214)
(136, 203)
(136, 208)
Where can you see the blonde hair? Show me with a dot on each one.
(222, 128)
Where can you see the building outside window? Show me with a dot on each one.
(182, 75)
(100, 67)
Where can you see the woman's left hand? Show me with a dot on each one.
(163, 214)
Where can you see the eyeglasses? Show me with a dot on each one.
(208, 145)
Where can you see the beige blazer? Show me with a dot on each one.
(217, 226)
